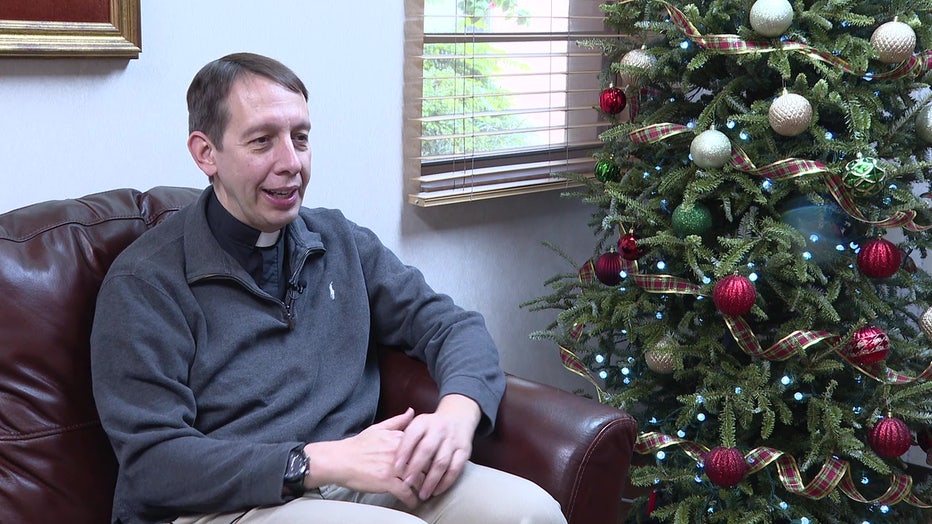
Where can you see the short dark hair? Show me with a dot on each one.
(207, 94)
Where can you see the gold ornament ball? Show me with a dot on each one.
(661, 358)
(894, 42)
(925, 322)
(790, 114)
(710, 149)
(771, 18)
(635, 58)
(924, 124)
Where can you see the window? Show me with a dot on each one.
(499, 96)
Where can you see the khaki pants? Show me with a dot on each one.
(480, 495)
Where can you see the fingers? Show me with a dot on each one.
(398, 422)
(405, 492)
(413, 434)
(457, 465)
(432, 456)
(439, 469)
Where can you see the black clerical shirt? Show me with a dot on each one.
(265, 264)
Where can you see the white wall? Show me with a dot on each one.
(69, 127)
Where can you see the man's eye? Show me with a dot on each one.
(261, 141)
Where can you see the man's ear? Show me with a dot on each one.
(202, 151)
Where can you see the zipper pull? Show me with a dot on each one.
(294, 289)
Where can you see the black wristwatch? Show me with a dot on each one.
(296, 471)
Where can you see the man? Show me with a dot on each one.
(231, 349)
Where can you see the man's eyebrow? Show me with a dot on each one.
(266, 127)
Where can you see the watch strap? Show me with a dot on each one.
(296, 472)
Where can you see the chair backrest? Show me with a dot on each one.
(55, 460)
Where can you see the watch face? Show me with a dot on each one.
(297, 466)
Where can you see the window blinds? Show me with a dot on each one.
(500, 98)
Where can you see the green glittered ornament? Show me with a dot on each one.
(863, 176)
(607, 171)
(691, 220)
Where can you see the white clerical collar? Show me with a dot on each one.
(268, 239)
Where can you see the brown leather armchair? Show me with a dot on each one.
(55, 461)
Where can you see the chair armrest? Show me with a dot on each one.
(575, 448)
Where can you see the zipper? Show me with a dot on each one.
(295, 288)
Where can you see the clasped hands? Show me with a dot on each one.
(411, 457)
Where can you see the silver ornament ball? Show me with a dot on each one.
(771, 18)
(710, 149)
(635, 58)
(790, 114)
(894, 42)
(925, 322)
(924, 124)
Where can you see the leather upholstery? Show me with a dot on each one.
(55, 461)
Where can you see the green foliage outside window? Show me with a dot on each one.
(464, 86)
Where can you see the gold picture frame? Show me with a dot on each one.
(120, 37)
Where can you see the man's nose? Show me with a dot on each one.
(288, 159)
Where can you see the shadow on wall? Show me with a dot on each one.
(546, 209)
(26, 68)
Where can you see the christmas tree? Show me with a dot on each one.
(756, 295)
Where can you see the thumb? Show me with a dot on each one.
(398, 422)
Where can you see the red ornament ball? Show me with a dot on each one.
(628, 247)
(612, 100)
(734, 295)
(608, 268)
(879, 258)
(868, 345)
(726, 467)
(890, 437)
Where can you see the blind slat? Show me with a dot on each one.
(446, 38)
(512, 171)
(582, 147)
(482, 134)
(454, 117)
(487, 191)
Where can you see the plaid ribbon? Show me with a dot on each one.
(654, 441)
(879, 372)
(657, 132)
(900, 490)
(587, 272)
(780, 170)
(783, 349)
(835, 473)
(665, 284)
(728, 44)
(574, 364)
(828, 478)
(902, 219)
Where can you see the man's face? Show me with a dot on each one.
(263, 169)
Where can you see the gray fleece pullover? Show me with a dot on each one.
(204, 382)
